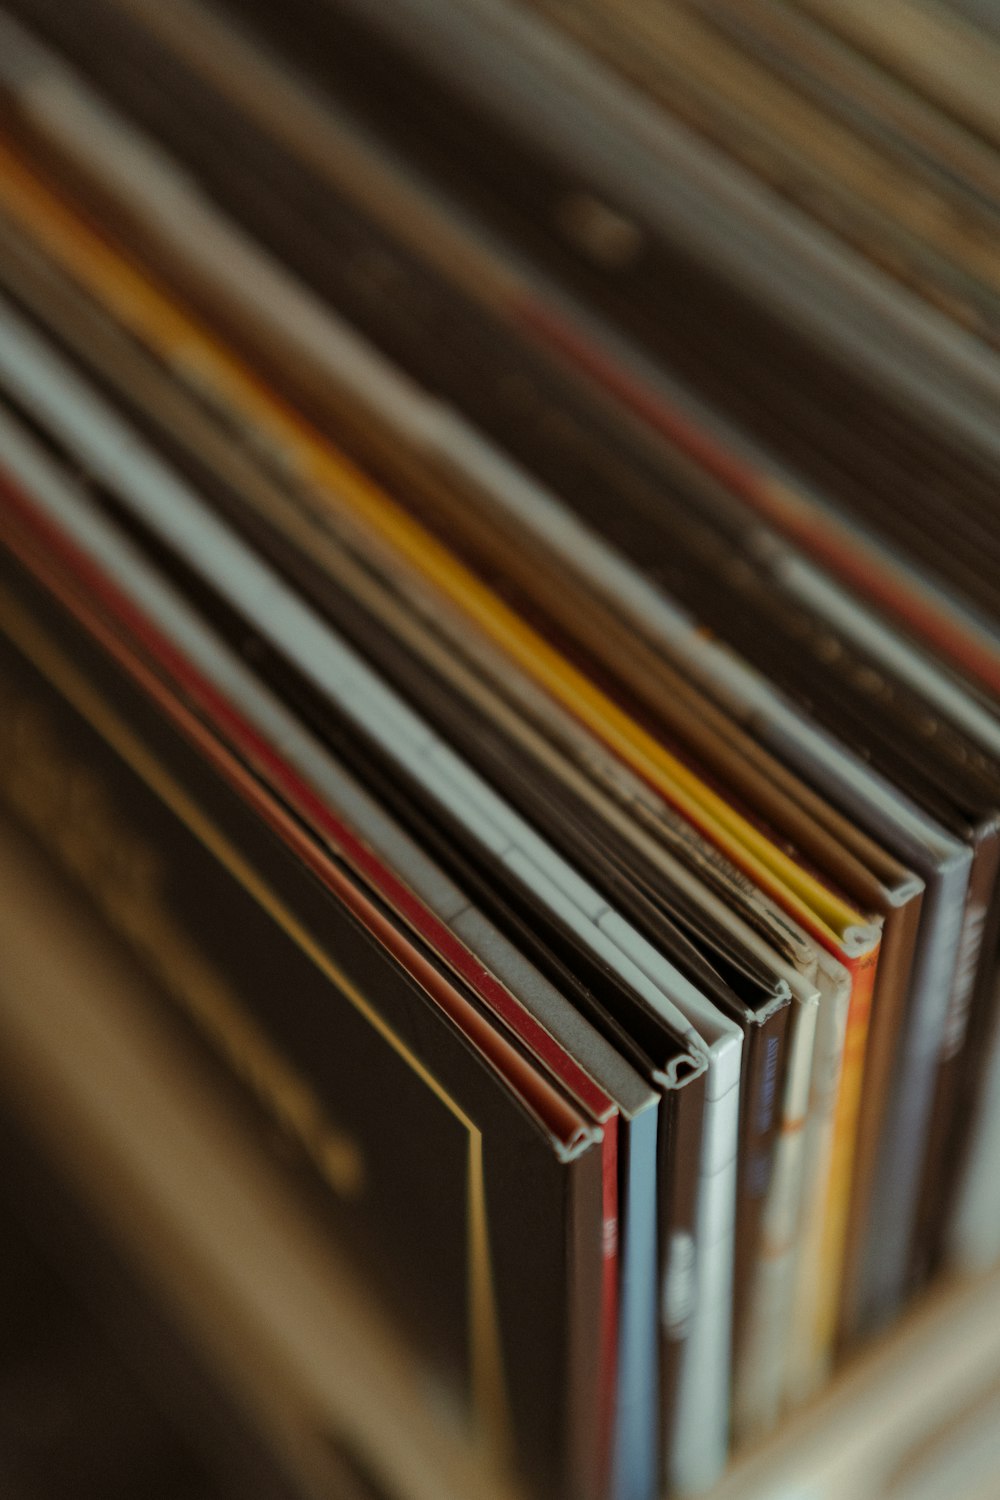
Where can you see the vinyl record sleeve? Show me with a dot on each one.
(679, 1199)
(678, 1151)
(630, 1231)
(684, 794)
(52, 109)
(767, 1070)
(759, 1014)
(706, 1372)
(927, 753)
(763, 487)
(903, 854)
(948, 774)
(424, 1282)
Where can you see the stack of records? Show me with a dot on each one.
(498, 612)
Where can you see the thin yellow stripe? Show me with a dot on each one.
(489, 1396)
(487, 1362)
